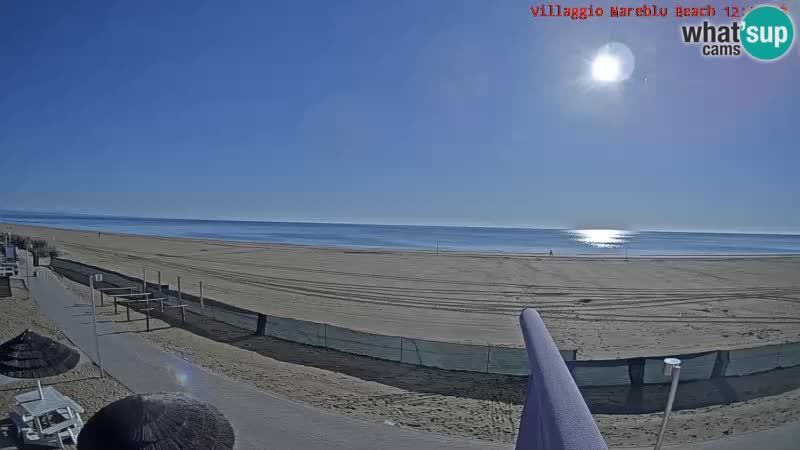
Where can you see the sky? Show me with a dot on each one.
(418, 112)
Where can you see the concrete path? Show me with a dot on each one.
(261, 420)
(784, 437)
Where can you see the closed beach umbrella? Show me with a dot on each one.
(162, 421)
(32, 355)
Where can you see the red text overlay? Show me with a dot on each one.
(646, 10)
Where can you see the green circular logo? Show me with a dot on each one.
(767, 33)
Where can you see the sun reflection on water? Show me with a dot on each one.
(601, 238)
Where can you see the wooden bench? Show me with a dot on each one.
(60, 426)
(104, 290)
(125, 302)
(20, 424)
(124, 298)
(61, 430)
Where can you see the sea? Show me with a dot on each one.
(441, 238)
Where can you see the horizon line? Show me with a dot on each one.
(325, 222)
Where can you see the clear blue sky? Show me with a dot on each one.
(430, 112)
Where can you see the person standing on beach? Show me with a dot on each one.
(551, 252)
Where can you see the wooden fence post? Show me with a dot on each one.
(261, 326)
(721, 364)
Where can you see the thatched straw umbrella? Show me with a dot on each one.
(31, 355)
(162, 421)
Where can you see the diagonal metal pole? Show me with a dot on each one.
(671, 367)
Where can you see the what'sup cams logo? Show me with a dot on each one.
(766, 33)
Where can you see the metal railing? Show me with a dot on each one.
(555, 415)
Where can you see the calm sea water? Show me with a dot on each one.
(569, 242)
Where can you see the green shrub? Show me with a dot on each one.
(38, 246)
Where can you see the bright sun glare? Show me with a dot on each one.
(601, 238)
(606, 68)
(610, 65)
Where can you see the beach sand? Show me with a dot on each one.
(83, 384)
(474, 405)
(602, 307)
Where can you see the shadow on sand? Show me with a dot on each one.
(5, 287)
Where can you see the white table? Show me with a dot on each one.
(32, 408)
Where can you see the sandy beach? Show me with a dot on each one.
(475, 405)
(603, 307)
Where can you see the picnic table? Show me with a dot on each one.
(127, 297)
(129, 301)
(47, 420)
(112, 289)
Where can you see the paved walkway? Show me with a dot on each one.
(784, 437)
(261, 420)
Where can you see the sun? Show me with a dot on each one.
(609, 66)
(606, 68)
